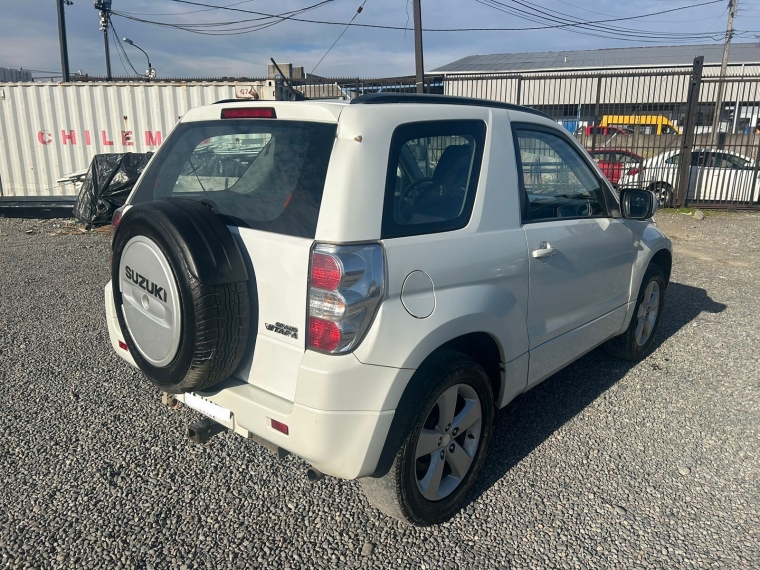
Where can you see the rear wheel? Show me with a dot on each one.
(440, 459)
(637, 341)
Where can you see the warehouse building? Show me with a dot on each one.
(579, 87)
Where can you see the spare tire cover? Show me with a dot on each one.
(150, 300)
(180, 289)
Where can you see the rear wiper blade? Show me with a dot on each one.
(214, 208)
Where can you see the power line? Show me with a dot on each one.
(184, 13)
(561, 20)
(278, 18)
(197, 28)
(358, 11)
(120, 47)
(500, 29)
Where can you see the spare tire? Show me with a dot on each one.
(180, 288)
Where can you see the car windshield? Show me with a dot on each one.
(264, 174)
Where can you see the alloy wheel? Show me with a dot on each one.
(448, 442)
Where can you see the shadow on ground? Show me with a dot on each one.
(533, 417)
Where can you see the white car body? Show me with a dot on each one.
(715, 175)
(539, 315)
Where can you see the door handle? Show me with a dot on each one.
(544, 250)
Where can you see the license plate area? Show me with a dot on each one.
(207, 408)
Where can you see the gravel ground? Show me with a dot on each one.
(605, 465)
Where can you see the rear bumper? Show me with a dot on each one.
(338, 422)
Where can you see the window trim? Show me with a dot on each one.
(477, 128)
(610, 204)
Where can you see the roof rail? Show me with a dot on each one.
(389, 98)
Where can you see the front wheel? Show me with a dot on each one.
(636, 342)
(440, 459)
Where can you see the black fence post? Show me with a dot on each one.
(596, 113)
(687, 139)
(519, 90)
(755, 177)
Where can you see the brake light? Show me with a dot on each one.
(249, 113)
(633, 171)
(345, 290)
(323, 335)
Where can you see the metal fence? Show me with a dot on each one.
(639, 125)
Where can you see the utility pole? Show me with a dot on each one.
(62, 40)
(104, 6)
(419, 64)
(723, 67)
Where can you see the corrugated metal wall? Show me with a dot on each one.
(666, 86)
(48, 130)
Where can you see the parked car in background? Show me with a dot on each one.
(648, 124)
(615, 162)
(716, 175)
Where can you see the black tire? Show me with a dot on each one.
(626, 346)
(215, 318)
(397, 493)
(664, 194)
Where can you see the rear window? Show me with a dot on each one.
(264, 174)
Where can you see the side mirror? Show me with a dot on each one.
(638, 204)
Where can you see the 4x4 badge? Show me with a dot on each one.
(280, 328)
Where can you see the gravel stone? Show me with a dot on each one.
(107, 479)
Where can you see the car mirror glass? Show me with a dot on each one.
(637, 204)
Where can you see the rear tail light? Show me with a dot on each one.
(636, 170)
(116, 220)
(346, 287)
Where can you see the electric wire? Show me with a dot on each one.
(282, 17)
(120, 46)
(358, 11)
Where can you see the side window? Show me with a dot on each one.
(557, 182)
(432, 177)
(675, 159)
(701, 158)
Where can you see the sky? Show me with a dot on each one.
(29, 33)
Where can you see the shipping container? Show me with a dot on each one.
(48, 130)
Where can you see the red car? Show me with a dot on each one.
(614, 163)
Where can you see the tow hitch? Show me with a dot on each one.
(203, 430)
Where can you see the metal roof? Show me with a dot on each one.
(602, 58)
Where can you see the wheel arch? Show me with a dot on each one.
(664, 259)
(481, 347)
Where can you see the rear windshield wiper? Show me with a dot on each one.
(235, 221)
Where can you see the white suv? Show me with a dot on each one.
(364, 284)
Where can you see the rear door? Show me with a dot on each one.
(265, 179)
(581, 257)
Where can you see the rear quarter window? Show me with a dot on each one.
(264, 174)
(432, 177)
